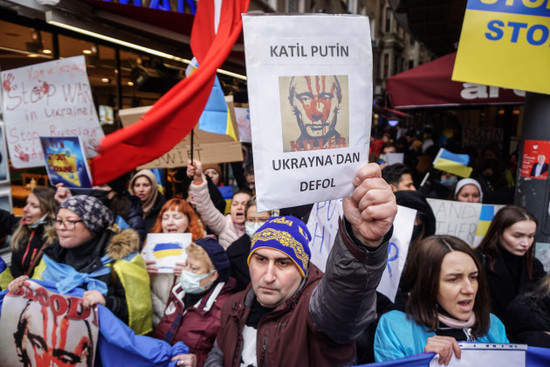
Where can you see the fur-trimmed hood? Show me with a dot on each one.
(122, 243)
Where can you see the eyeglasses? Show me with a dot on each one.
(67, 223)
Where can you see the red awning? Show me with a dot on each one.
(430, 85)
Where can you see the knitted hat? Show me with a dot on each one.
(95, 216)
(288, 235)
(217, 255)
(215, 167)
(468, 181)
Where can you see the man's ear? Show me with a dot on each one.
(393, 188)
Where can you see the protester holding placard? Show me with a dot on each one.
(89, 255)
(508, 256)
(175, 216)
(144, 185)
(227, 228)
(293, 315)
(196, 300)
(31, 234)
(448, 302)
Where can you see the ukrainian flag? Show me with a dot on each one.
(216, 117)
(485, 218)
(162, 250)
(454, 163)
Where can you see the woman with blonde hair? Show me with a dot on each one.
(33, 233)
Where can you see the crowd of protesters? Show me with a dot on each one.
(249, 295)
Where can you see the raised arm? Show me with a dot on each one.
(201, 197)
(344, 302)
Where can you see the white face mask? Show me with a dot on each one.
(251, 228)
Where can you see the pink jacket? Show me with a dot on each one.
(222, 225)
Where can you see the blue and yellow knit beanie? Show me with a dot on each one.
(288, 235)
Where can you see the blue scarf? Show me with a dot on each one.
(66, 278)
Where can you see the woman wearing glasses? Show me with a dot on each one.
(87, 244)
(31, 234)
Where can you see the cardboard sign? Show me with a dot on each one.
(46, 329)
(310, 94)
(207, 147)
(167, 249)
(505, 44)
(535, 158)
(49, 99)
(467, 221)
(65, 162)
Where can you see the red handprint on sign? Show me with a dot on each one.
(20, 153)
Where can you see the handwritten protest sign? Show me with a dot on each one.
(323, 226)
(309, 84)
(207, 147)
(467, 221)
(48, 99)
(46, 329)
(65, 161)
(398, 249)
(167, 249)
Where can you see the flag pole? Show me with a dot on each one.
(192, 136)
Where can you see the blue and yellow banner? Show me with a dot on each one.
(505, 43)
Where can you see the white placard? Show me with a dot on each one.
(167, 249)
(393, 158)
(48, 99)
(310, 95)
(398, 249)
(243, 124)
(323, 227)
(487, 354)
(467, 221)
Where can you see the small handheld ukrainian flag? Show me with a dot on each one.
(163, 250)
(456, 164)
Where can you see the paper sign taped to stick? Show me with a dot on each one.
(48, 99)
(310, 94)
(167, 249)
(46, 329)
(66, 162)
(207, 147)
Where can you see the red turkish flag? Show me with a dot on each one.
(175, 114)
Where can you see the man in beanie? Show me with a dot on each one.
(293, 315)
